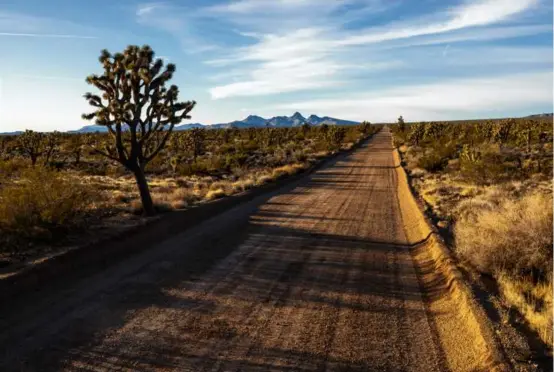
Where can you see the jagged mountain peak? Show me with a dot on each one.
(254, 117)
(251, 121)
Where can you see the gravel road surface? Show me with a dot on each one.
(316, 276)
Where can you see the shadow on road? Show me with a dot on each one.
(256, 295)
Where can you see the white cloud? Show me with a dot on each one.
(476, 34)
(269, 86)
(439, 101)
(322, 53)
(145, 9)
(286, 63)
(478, 13)
(256, 6)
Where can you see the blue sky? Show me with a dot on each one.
(353, 59)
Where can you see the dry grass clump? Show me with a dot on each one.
(515, 235)
(179, 193)
(9, 168)
(42, 198)
(287, 170)
(215, 194)
(175, 198)
(243, 185)
(512, 240)
(533, 300)
(263, 179)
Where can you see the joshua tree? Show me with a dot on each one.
(195, 142)
(401, 124)
(74, 146)
(335, 136)
(31, 144)
(137, 109)
(417, 133)
(52, 143)
(305, 128)
(364, 128)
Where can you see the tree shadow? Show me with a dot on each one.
(250, 289)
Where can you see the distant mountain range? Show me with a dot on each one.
(251, 121)
(254, 121)
(545, 115)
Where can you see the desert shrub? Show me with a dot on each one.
(352, 136)
(489, 168)
(432, 162)
(226, 149)
(99, 168)
(513, 236)
(436, 157)
(115, 171)
(250, 146)
(202, 166)
(41, 198)
(300, 156)
(236, 160)
(11, 167)
(216, 163)
(158, 165)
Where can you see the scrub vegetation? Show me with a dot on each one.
(488, 187)
(55, 188)
(67, 189)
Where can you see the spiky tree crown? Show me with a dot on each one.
(131, 80)
(134, 94)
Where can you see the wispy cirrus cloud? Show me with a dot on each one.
(55, 36)
(328, 49)
(14, 24)
(471, 14)
(293, 62)
(147, 8)
(181, 22)
(476, 34)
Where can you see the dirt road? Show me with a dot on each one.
(314, 277)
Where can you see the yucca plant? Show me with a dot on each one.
(137, 108)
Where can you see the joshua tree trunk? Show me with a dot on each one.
(145, 197)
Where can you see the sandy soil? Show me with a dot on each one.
(317, 276)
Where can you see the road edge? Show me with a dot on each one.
(421, 233)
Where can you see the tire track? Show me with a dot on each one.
(318, 278)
